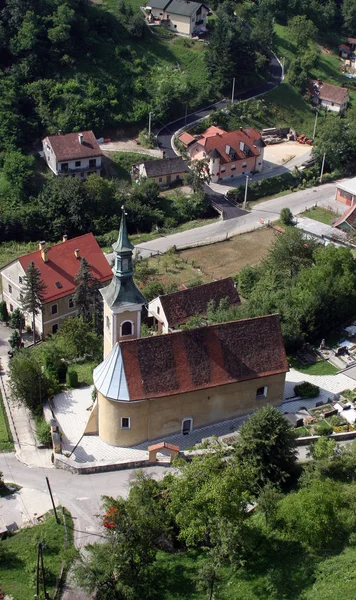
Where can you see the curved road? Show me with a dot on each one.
(165, 134)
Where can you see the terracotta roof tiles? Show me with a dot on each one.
(202, 358)
(68, 147)
(180, 306)
(216, 139)
(62, 265)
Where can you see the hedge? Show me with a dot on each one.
(306, 390)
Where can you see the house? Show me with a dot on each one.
(171, 310)
(229, 153)
(346, 191)
(344, 50)
(163, 171)
(181, 16)
(75, 154)
(148, 388)
(347, 220)
(58, 266)
(330, 97)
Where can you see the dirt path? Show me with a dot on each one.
(129, 146)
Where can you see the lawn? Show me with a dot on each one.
(6, 442)
(288, 573)
(171, 268)
(84, 371)
(320, 214)
(319, 368)
(228, 258)
(120, 163)
(19, 556)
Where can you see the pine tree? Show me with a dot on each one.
(33, 295)
(87, 297)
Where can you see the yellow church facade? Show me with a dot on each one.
(149, 388)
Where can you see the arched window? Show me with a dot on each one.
(127, 328)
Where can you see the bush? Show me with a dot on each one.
(43, 432)
(265, 187)
(306, 390)
(286, 216)
(4, 315)
(323, 428)
(72, 379)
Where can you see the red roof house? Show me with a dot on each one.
(58, 265)
(229, 154)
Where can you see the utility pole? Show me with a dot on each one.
(245, 198)
(282, 63)
(233, 90)
(149, 123)
(322, 168)
(40, 558)
(316, 119)
(53, 504)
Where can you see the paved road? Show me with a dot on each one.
(257, 217)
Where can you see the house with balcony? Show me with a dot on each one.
(58, 265)
(180, 16)
(228, 154)
(73, 154)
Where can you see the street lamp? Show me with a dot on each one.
(233, 90)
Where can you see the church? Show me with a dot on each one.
(149, 388)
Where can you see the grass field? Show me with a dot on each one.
(19, 557)
(6, 442)
(320, 214)
(84, 372)
(120, 163)
(227, 258)
(319, 368)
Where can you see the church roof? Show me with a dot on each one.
(123, 243)
(122, 292)
(180, 306)
(194, 359)
(109, 376)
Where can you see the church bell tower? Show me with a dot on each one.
(123, 301)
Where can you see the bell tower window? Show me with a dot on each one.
(126, 328)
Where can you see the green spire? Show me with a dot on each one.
(123, 243)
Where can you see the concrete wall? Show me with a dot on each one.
(159, 417)
(180, 23)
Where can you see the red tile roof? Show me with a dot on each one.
(62, 265)
(351, 40)
(180, 306)
(218, 141)
(349, 216)
(186, 138)
(68, 147)
(162, 445)
(202, 358)
(345, 47)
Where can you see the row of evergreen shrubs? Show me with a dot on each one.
(306, 390)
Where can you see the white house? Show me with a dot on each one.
(74, 154)
(180, 16)
(330, 97)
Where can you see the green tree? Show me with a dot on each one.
(334, 139)
(87, 296)
(315, 516)
(28, 383)
(76, 339)
(33, 294)
(17, 320)
(286, 216)
(15, 340)
(4, 315)
(18, 170)
(247, 278)
(301, 30)
(348, 11)
(266, 445)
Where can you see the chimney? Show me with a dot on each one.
(76, 253)
(44, 254)
(80, 138)
(41, 245)
(64, 238)
(59, 132)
